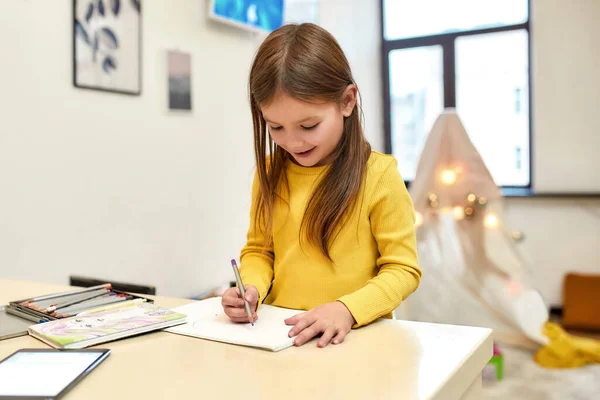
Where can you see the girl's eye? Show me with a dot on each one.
(275, 128)
(310, 128)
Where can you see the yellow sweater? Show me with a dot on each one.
(375, 260)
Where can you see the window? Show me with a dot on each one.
(416, 99)
(471, 55)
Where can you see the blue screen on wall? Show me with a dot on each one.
(260, 14)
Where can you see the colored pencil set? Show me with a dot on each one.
(63, 305)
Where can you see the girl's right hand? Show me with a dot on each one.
(233, 304)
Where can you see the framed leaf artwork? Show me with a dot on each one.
(107, 45)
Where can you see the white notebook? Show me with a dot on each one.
(207, 320)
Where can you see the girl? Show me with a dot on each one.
(332, 224)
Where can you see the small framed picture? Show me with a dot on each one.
(179, 70)
(107, 45)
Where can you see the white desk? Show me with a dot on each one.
(388, 359)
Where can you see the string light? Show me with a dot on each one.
(518, 236)
(458, 212)
(433, 200)
(418, 219)
(448, 177)
(491, 221)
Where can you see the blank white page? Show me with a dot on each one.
(207, 320)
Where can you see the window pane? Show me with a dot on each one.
(492, 99)
(409, 18)
(416, 100)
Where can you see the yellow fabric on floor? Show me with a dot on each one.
(565, 350)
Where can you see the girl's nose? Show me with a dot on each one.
(295, 142)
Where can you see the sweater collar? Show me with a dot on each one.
(299, 169)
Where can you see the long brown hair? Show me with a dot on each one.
(307, 63)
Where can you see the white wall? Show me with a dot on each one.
(566, 55)
(356, 25)
(561, 235)
(113, 186)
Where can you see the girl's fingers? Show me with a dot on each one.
(243, 320)
(232, 302)
(326, 338)
(302, 322)
(294, 320)
(251, 295)
(235, 315)
(339, 338)
(307, 334)
(232, 298)
(236, 312)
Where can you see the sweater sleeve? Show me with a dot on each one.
(392, 218)
(256, 260)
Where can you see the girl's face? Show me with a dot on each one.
(310, 132)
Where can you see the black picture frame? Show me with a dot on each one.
(101, 37)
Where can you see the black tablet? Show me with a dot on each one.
(45, 373)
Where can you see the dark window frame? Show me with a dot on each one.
(447, 41)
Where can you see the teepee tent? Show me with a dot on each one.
(473, 270)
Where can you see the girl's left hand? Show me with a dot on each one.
(334, 320)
